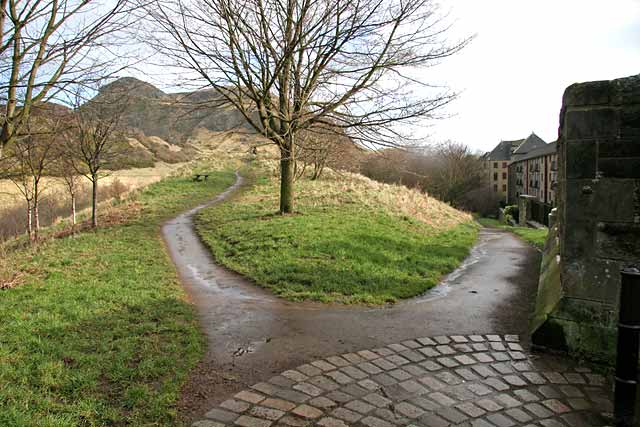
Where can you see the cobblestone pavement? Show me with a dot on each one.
(471, 381)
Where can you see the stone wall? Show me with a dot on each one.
(598, 225)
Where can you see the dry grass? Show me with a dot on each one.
(131, 178)
(344, 188)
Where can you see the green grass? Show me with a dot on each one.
(330, 252)
(533, 236)
(100, 333)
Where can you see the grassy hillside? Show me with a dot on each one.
(99, 332)
(353, 240)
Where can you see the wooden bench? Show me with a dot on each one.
(204, 176)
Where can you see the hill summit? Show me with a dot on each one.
(174, 117)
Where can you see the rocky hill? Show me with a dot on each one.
(174, 117)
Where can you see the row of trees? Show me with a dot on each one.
(288, 66)
(65, 144)
(449, 171)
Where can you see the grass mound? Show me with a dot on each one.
(100, 333)
(353, 241)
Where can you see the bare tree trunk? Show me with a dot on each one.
(94, 201)
(73, 211)
(29, 223)
(287, 163)
(36, 217)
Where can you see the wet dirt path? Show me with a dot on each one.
(252, 334)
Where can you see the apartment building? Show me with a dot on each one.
(497, 161)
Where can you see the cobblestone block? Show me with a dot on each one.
(359, 406)
(367, 355)
(266, 413)
(249, 396)
(369, 368)
(339, 377)
(247, 421)
(338, 361)
(519, 415)
(324, 383)
(322, 402)
(309, 389)
(489, 405)
(506, 400)
(377, 400)
(295, 375)
(323, 366)
(354, 358)
(281, 381)
(221, 415)
(369, 385)
(306, 411)
(384, 364)
(500, 420)
(471, 409)
(426, 341)
(331, 422)
(340, 396)
(353, 372)
(346, 414)
(280, 404)
(235, 405)
(397, 347)
(412, 355)
(400, 374)
(448, 377)
(411, 344)
(415, 370)
(452, 414)
(309, 370)
(266, 388)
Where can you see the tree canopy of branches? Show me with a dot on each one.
(288, 65)
(448, 171)
(320, 148)
(96, 141)
(31, 157)
(47, 46)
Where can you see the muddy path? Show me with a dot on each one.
(252, 334)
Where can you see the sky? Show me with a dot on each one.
(526, 52)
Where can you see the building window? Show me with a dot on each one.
(495, 176)
(504, 175)
(504, 187)
(495, 188)
(495, 165)
(504, 164)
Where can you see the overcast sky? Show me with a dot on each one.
(526, 53)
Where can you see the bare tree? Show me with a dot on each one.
(449, 171)
(65, 170)
(46, 46)
(321, 148)
(289, 65)
(96, 142)
(34, 152)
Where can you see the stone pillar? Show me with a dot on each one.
(524, 209)
(598, 216)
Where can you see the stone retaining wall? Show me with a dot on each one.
(598, 217)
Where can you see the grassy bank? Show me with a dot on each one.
(99, 332)
(353, 240)
(533, 236)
